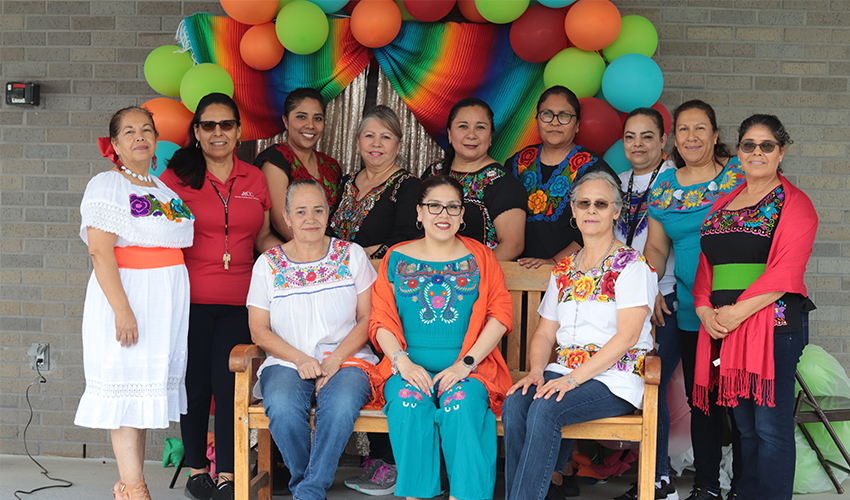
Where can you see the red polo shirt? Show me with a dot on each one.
(249, 202)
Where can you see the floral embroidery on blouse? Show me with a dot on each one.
(547, 200)
(474, 185)
(667, 195)
(351, 213)
(335, 266)
(760, 219)
(573, 356)
(779, 313)
(623, 223)
(598, 284)
(437, 291)
(149, 206)
(329, 172)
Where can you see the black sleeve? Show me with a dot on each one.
(405, 194)
(274, 156)
(506, 193)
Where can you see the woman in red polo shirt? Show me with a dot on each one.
(230, 201)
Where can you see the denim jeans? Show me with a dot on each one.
(288, 399)
(767, 434)
(533, 432)
(667, 338)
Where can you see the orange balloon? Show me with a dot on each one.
(260, 47)
(171, 119)
(593, 24)
(250, 11)
(375, 23)
(470, 11)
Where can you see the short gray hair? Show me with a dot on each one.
(386, 117)
(298, 185)
(612, 182)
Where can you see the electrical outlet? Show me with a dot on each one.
(39, 356)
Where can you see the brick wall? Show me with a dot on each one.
(788, 57)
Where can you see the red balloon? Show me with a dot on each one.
(375, 23)
(171, 119)
(429, 10)
(600, 125)
(250, 12)
(349, 7)
(593, 24)
(665, 114)
(539, 34)
(260, 47)
(470, 11)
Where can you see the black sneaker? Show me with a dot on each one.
(223, 491)
(664, 492)
(569, 488)
(700, 493)
(199, 487)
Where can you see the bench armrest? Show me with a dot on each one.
(651, 370)
(242, 355)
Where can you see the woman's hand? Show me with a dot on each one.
(451, 376)
(126, 330)
(559, 386)
(533, 378)
(309, 368)
(660, 310)
(708, 317)
(728, 317)
(414, 374)
(529, 262)
(329, 367)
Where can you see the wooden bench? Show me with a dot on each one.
(527, 287)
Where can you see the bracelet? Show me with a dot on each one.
(395, 357)
(571, 380)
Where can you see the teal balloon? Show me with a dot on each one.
(556, 4)
(501, 11)
(632, 81)
(201, 80)
(330, 6)
(302, 27)
(637, 36)
(615, 157)
(165, 67)
(578, 70)
(164, 151)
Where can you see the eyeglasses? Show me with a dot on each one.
(765, 146)
(209, 126)
(599, 204)
(548, 115)
(437, 209)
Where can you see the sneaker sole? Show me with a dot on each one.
(188, 494)
(375, 492)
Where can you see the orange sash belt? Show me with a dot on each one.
(148, 257)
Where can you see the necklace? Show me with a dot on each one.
(632, 224)
(425, 249)
(143, 178)
(226, 257)
(472, 170)
(578, 265)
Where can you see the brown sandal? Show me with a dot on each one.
(118, 491)
(138, 491)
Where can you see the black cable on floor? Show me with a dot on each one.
(38, 380)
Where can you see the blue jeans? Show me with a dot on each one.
(667, 338)
(533, 432)
(288, 400)
(767, 434)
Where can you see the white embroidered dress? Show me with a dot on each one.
(142, 386)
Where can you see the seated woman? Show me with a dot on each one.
(440, 311)
(308, 308)
(376, 205)
(596, 312)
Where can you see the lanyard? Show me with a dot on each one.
(226, 257)
(633, 221)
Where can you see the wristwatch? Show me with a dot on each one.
(469, 362)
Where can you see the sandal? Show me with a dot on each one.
(118, 491)
(138, 491)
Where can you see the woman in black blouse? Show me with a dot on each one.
(493, 199)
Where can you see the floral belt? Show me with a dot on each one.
(573, 356)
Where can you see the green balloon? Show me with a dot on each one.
(501, 11)
(201, 80)
(302, 27)
(165, 67)
(637, 36)
(578, 70)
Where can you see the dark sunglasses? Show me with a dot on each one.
(599, 204)
(749, 147)
(548, 115)
(437, 209)
(226, 125)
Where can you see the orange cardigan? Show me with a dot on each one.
(494, 300)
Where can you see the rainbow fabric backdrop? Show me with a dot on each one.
(430, 65)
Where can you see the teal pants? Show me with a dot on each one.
(462, 418)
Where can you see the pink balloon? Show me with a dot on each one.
(600, 125)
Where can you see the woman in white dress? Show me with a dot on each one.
(135, 318)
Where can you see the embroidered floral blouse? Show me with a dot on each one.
(282, 156)
(585, 307)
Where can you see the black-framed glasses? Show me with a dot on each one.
(547, 115)
(765, 146)
(599, 204)
(437, 209)
(226, 125)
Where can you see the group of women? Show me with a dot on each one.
(732, 304)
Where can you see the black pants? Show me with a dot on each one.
(707, 430)
(213, 332)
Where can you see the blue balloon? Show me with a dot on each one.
(632, 81)
(330, 6)
(556, 4)
(615, 157)
(164, 151)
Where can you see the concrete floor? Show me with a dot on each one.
(93, 479)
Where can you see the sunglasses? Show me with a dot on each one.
(437, 209)
(599, 204)
(749, 147)
(547, 116)
(226, 125)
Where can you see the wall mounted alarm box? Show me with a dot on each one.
(22, 93)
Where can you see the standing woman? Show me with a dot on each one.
(297, 158)
(749, 292)
(547, 172)
(134, 319)
(678, 204)
(229, 199)
(493, 199)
